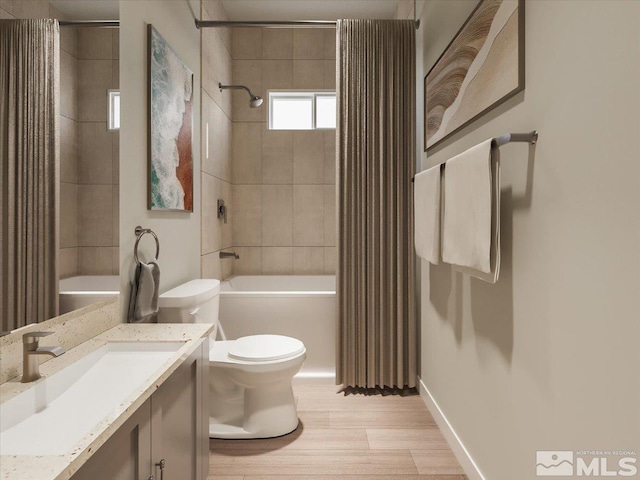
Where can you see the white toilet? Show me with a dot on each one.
(250, 378)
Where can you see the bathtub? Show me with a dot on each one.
(77, 292)
(299, 306)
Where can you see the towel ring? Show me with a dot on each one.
(140, 232)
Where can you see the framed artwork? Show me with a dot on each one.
(481, 68)
(170, 99)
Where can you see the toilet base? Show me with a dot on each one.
(269, 411)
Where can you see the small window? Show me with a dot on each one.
(302, 110)
(113, 102)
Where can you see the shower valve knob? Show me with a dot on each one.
(222, 210)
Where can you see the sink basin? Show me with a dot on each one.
(54, 415)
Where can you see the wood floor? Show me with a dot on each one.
(353, 437)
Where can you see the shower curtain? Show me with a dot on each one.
(29, 107)
(376, 344)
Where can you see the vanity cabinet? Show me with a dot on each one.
(167, 438)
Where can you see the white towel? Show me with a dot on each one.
(426, 207)
(143, 304)
(471, 219)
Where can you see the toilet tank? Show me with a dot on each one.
(196, 301)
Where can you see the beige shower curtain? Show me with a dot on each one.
(29, 107)
(376, 344)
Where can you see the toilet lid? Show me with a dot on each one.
(263, 348)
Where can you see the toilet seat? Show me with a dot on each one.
(256, 350)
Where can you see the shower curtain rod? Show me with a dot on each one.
(90, 23)
(273, 24)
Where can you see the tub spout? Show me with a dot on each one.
(229, 255)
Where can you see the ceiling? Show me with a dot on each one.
(308, 9)
(88, 9)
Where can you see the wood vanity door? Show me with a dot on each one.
(127, 453)
(180, 421)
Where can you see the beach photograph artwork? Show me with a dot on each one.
(170, 128)
(482, 67)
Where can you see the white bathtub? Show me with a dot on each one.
(299, 306)
(77, 292)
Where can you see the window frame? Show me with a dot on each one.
(111, 94)
(296, 94)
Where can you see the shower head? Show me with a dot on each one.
(255, 100)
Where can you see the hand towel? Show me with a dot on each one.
(426, 202)
(143, 305)
(471, 218)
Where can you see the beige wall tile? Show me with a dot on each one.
(68, 262)
(308, 215)
(96, 217)
(214, 10)
(115, 157)
(4, 15)
(277, 156)
(330, 260)
(95, 44)
(308, 157)
(69, 41)
(277, 260)
(308, 260)
(95, 162)
(115, 266)
(276, 75)
(330, 44)
(211, 224)
(115, 43)
(218, 125)
(277, 215)
(308, 43)
(250, 261)
(330, 157)
(26, 8)
(94, 79)
(249, 74)
(308, 74)
(68, 150)
(277, 43)
(68, 86)
(115, 202)
(216, 68)
(330, 74)
(68, 215)
(247, 153)
(329, 215)
(210, 266)
(115, 74)
(246, 43)
(247, 215)
(96, 260)
(227, 269)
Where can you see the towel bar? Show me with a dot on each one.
(141, 232)
(531, 137)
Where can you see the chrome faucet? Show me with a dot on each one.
(30, 351)
(229, 255)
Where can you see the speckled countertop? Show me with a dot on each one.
(62, 467)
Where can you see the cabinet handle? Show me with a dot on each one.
(161, 464)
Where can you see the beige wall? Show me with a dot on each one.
(283, 181)
(548, 358)
(179, 232)
(216, 123)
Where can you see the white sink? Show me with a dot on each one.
(58, 412)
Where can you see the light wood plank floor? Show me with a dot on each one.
(354, 437)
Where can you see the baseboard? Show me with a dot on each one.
(314, 378)
(470, 468)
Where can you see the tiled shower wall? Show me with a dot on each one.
(89, 210)
(283, 181)
(88, 153)
(216, 143)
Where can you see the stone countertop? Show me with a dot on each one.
(62, 467)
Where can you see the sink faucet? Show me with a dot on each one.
(30, 350)
(229, 255)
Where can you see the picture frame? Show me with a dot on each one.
(474, 75)
(170, 133)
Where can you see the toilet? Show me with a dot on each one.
(250, 393)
